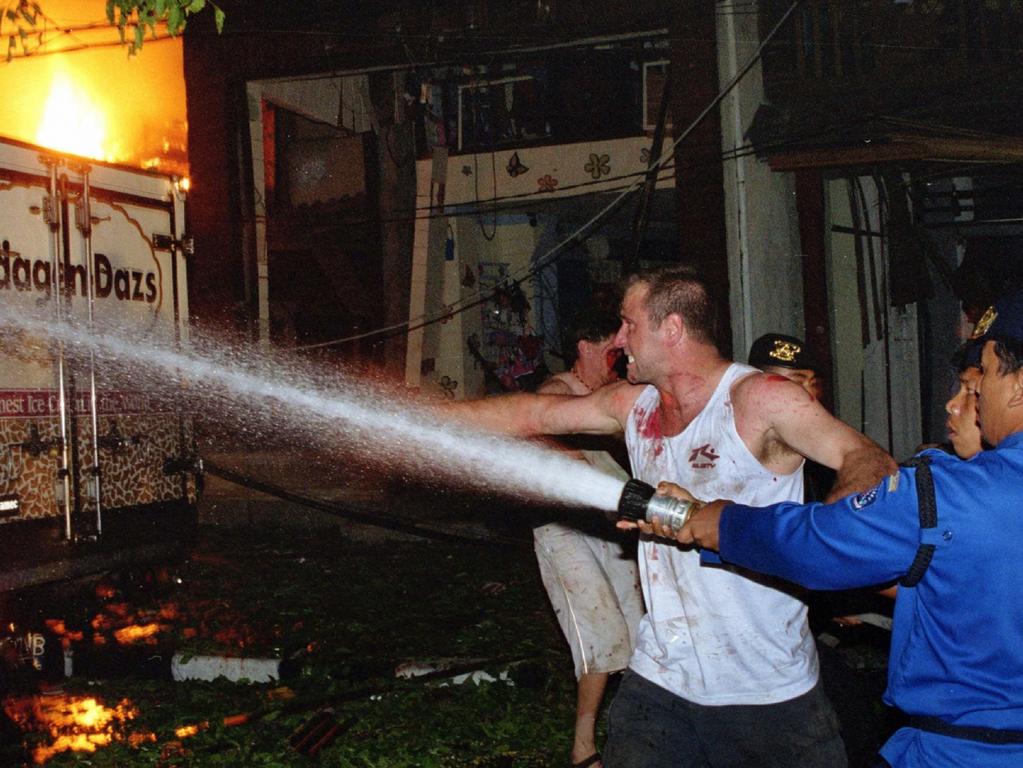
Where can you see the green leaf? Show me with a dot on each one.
(175, 19)
(218, 17)
(110, 11)
(160, 6)
(140, 33)
(196, 5)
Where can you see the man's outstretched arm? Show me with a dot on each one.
(523, 415)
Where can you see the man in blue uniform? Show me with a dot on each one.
(952, 532)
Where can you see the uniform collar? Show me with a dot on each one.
(1012, 441)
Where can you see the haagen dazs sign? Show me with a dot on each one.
(18, 273)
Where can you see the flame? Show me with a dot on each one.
(74, 723)
(131, 634)
(71, 123)
(149, 131)
(105, 591)
(57, 626)
(186, 731)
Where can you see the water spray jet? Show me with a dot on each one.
(397, 433)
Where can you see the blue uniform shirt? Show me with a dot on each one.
(957, 640)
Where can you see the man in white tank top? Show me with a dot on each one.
(724, 672)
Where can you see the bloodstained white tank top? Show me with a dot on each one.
(712, 634)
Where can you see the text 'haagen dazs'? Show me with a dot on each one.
(24, 274)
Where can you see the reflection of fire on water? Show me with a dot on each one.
(73, 723)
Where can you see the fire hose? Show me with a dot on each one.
(350, 512)
(638, 501)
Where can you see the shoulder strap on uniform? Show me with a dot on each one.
(928, 518)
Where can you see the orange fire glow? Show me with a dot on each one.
(190, 730)
(59, 628)
(74, 723)
(136, 632)
(71, 123)
(84, 95)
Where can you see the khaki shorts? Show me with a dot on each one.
(594, 589)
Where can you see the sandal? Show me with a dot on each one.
(586, 762)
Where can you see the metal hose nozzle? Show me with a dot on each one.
(639, 502)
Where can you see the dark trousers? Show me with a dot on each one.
(648, 727)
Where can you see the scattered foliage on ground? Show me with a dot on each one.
(346, 615)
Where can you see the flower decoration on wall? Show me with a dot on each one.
(547, 183)
(448, 386)
(467, 170)
(599, 165)
(644, 155)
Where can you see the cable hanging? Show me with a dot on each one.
(584, 230)
(577, 236)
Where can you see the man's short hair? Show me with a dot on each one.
(1010, 356)
(680, 290)
(591, 324)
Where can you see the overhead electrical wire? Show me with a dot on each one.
(48, 31)
(734, 8)
(88, 47)
(403, 37)
(529, 200)
(548, 258)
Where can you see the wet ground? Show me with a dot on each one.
(390, 648)
(372, 627)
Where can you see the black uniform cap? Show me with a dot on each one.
(777, 349)
(1002, 322)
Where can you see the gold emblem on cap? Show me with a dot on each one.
(984, 323)
(785, 351)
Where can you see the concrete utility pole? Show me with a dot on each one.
(761, 225)
(699, 187)
(396, 191)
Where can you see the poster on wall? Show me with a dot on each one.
(510, 348)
